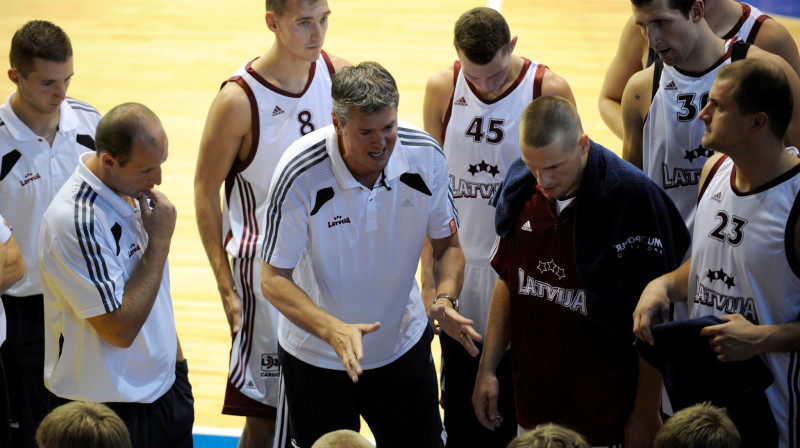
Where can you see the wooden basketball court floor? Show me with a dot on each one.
(172, 56)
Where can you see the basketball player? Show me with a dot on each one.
(42, 133)
(745, 267)
(660, 108)
(580, 233)
(472, 108)
(727, 19)
(267, 104)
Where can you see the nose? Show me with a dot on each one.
(60, 91)
(705, 113)
(155, 179)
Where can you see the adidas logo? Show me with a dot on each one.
(277, 111)
(250, 385)
(460, 102)
(671, 86)
(407, 203)
(717, 197)
(527, 226)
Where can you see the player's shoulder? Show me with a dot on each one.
(337, 62)
(442, 83)
(83, 110)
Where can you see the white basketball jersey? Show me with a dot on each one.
(481, 139)
(278, 119)
(740, 265)
(672, 152)
(751, 21)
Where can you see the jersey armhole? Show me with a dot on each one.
(751, 38)
(658, 67)
(538, 78)
(449, 111)
(791, 234)
(710, 176)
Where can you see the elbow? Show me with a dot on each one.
(119, 340)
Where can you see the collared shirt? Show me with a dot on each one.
(364, 243)
(90, 243)
(31, 172)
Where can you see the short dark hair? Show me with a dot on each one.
(38, 39)
(699, 426)
(761, 86)
(80, 424)
(279, 7)
(122, 127)
(683, 6)
(366, 88)
(546, 119)
(480, 33)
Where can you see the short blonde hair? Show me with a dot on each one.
(549, 435)
(343, 438)
(702, 425)
(81, 424)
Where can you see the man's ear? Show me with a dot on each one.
(272, 21)
(336, 124)
(107, 161)
(14, 75)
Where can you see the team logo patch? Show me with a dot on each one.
(337, 220)
(484, 167)
(639, 242)
(460, 102)
(270, 365)
(30, 177)
(453, 227)
(722, 276)
(551, 266)
(698, 152)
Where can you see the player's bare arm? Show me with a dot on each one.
(635, 104)
(653, 306)
(13, 264)
(121, 326)
(281, 291)
(627, 61)
(792, 137)
(225, 138)
(554, 85)
(645, 419)
(498, 333)
(775, 38)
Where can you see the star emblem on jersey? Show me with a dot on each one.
(722, 276)
(484, 167)
(551, 266)
(277, 111)
(671, 86)
(460, 102)
(698, 152)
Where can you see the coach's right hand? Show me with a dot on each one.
(159, 222)
(346, 340)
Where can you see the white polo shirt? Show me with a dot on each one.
(91, 241)
(5, 235)
(364, 243)
(31, 172)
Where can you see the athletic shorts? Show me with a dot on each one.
(253, 387)
(389, 398)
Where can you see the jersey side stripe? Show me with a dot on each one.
(302, 162)
(84, 228)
